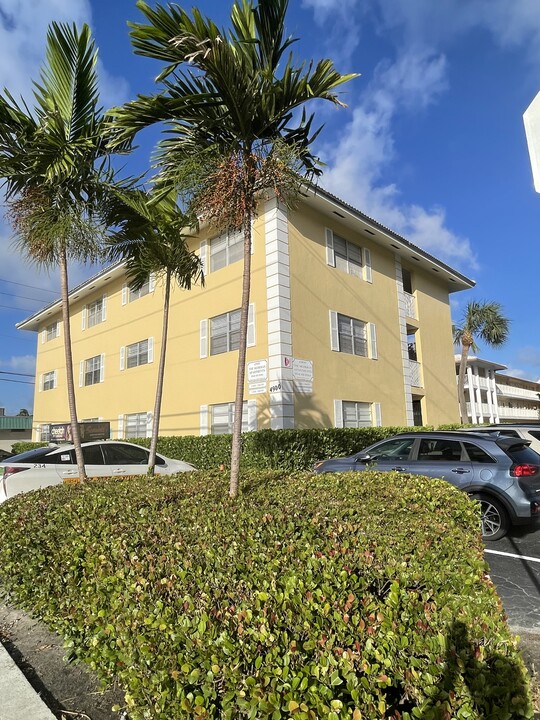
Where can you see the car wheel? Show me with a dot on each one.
(495, 521)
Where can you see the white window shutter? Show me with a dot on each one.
(338, 414)
(203, 249)
(41, 382)
(102, 368)
(81, 373)
(151, 282)
(378, 415)
(252, 415)
(330, 258)
(204, 339)
(150, 349)
(84, 318)
(149, 424)
(120, 426)
(124, 294)
(55, 379)
(204, 419)
(373, 341)
(251, 326)
(334, 334)
(43, 336)
(104, 309)
(368, 276)
(122, 357)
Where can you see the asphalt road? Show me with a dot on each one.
(514, 565)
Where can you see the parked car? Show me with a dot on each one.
(54, 464)
(502, 472)
(526, 431)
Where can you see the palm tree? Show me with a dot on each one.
(52, 160)
(230, 104)
(481, 321)
(148, 235)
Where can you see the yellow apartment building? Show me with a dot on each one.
(349, 326)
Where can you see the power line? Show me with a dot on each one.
(22, 297)
(33, 287)
(22, 382)
(8, 372)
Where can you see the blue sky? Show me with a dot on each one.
(431, 144)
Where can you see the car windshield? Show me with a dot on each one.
(34, 455)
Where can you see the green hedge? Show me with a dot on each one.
(310, 597)
(290, 450)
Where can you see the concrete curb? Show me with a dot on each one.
(19, 699)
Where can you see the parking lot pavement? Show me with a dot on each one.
(514, 565)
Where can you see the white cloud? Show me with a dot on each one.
(361, 156)
(20, 364)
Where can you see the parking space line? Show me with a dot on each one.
(512, 555)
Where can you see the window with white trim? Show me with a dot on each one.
(347, 256)
(137, 354)
(52, 331)
(92, 370)
(352, 336)
(353, 414)
(45, 432)
(222, 418)
(226, 249)
(135, 425)
(225, 332)
(141, 292)
(95, 312)
(49, 380)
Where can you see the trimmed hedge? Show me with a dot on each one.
(290, 450)
(310, 597)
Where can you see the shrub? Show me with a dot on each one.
(310, 597)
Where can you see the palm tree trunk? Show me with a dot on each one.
(161, 375)
(461, 382)
(75, 434)
(241, 371)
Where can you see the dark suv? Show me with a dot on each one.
(502, 472)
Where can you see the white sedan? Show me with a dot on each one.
(56, 464)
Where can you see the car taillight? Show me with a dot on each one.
(524, 470)
(12, 469)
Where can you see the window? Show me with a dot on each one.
(136, 425)
(225, 332)
(141, 292)
(222, 418)
(94, 313)
(411, 346)
(352, 414)
(439, 450)
(126, 454)
(52, 331)
(137, 354)
(348, 257)
(226, 250)
(397, 449)
(476, 454)
(45, 433)
(49, 380)
(356, 414)
(91, 371)
(352, 336)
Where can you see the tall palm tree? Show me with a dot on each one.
(149, 236)
(230, 102)
(52, 160)
(481, 321)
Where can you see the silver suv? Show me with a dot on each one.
(502, 472)
(526, 431)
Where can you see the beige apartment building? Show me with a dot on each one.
(349, 326)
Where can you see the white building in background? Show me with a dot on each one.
(531, 120)
(493, 397)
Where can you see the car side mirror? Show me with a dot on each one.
(363, 459)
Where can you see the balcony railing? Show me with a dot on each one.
(511, 391)
(530, 414)
(410, 305)
(416, 373)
